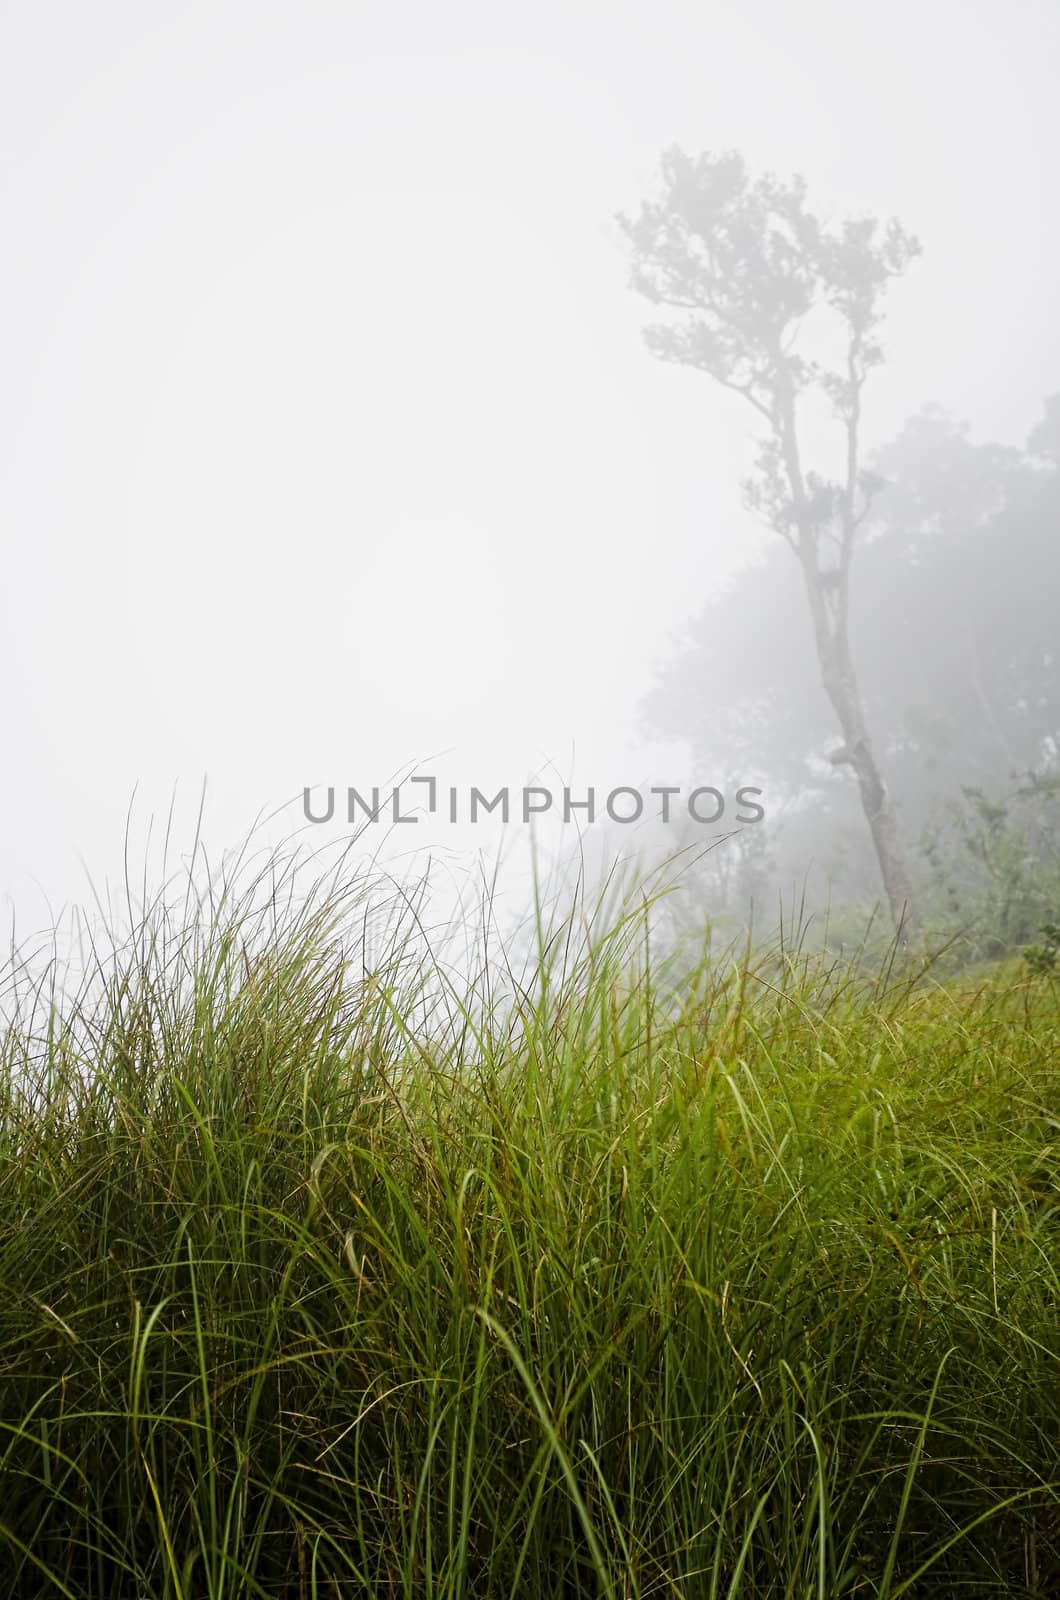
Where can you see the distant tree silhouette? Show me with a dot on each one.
(745, 264)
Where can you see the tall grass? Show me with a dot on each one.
(324, 1272)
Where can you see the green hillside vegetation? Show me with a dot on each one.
(564, 1279)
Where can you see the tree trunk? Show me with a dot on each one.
(841, 686)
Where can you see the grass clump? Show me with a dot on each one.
(324, 1272)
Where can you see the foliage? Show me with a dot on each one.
(1000, 874)
(1042, 958)
(745, 263)
(326, 1275)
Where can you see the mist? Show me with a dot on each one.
(331, 453)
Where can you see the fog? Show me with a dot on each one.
(331, 453)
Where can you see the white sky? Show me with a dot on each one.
(328, 444)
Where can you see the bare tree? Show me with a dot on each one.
(746, 263)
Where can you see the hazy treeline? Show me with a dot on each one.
(953, 622)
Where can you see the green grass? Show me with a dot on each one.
(576, 1276)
